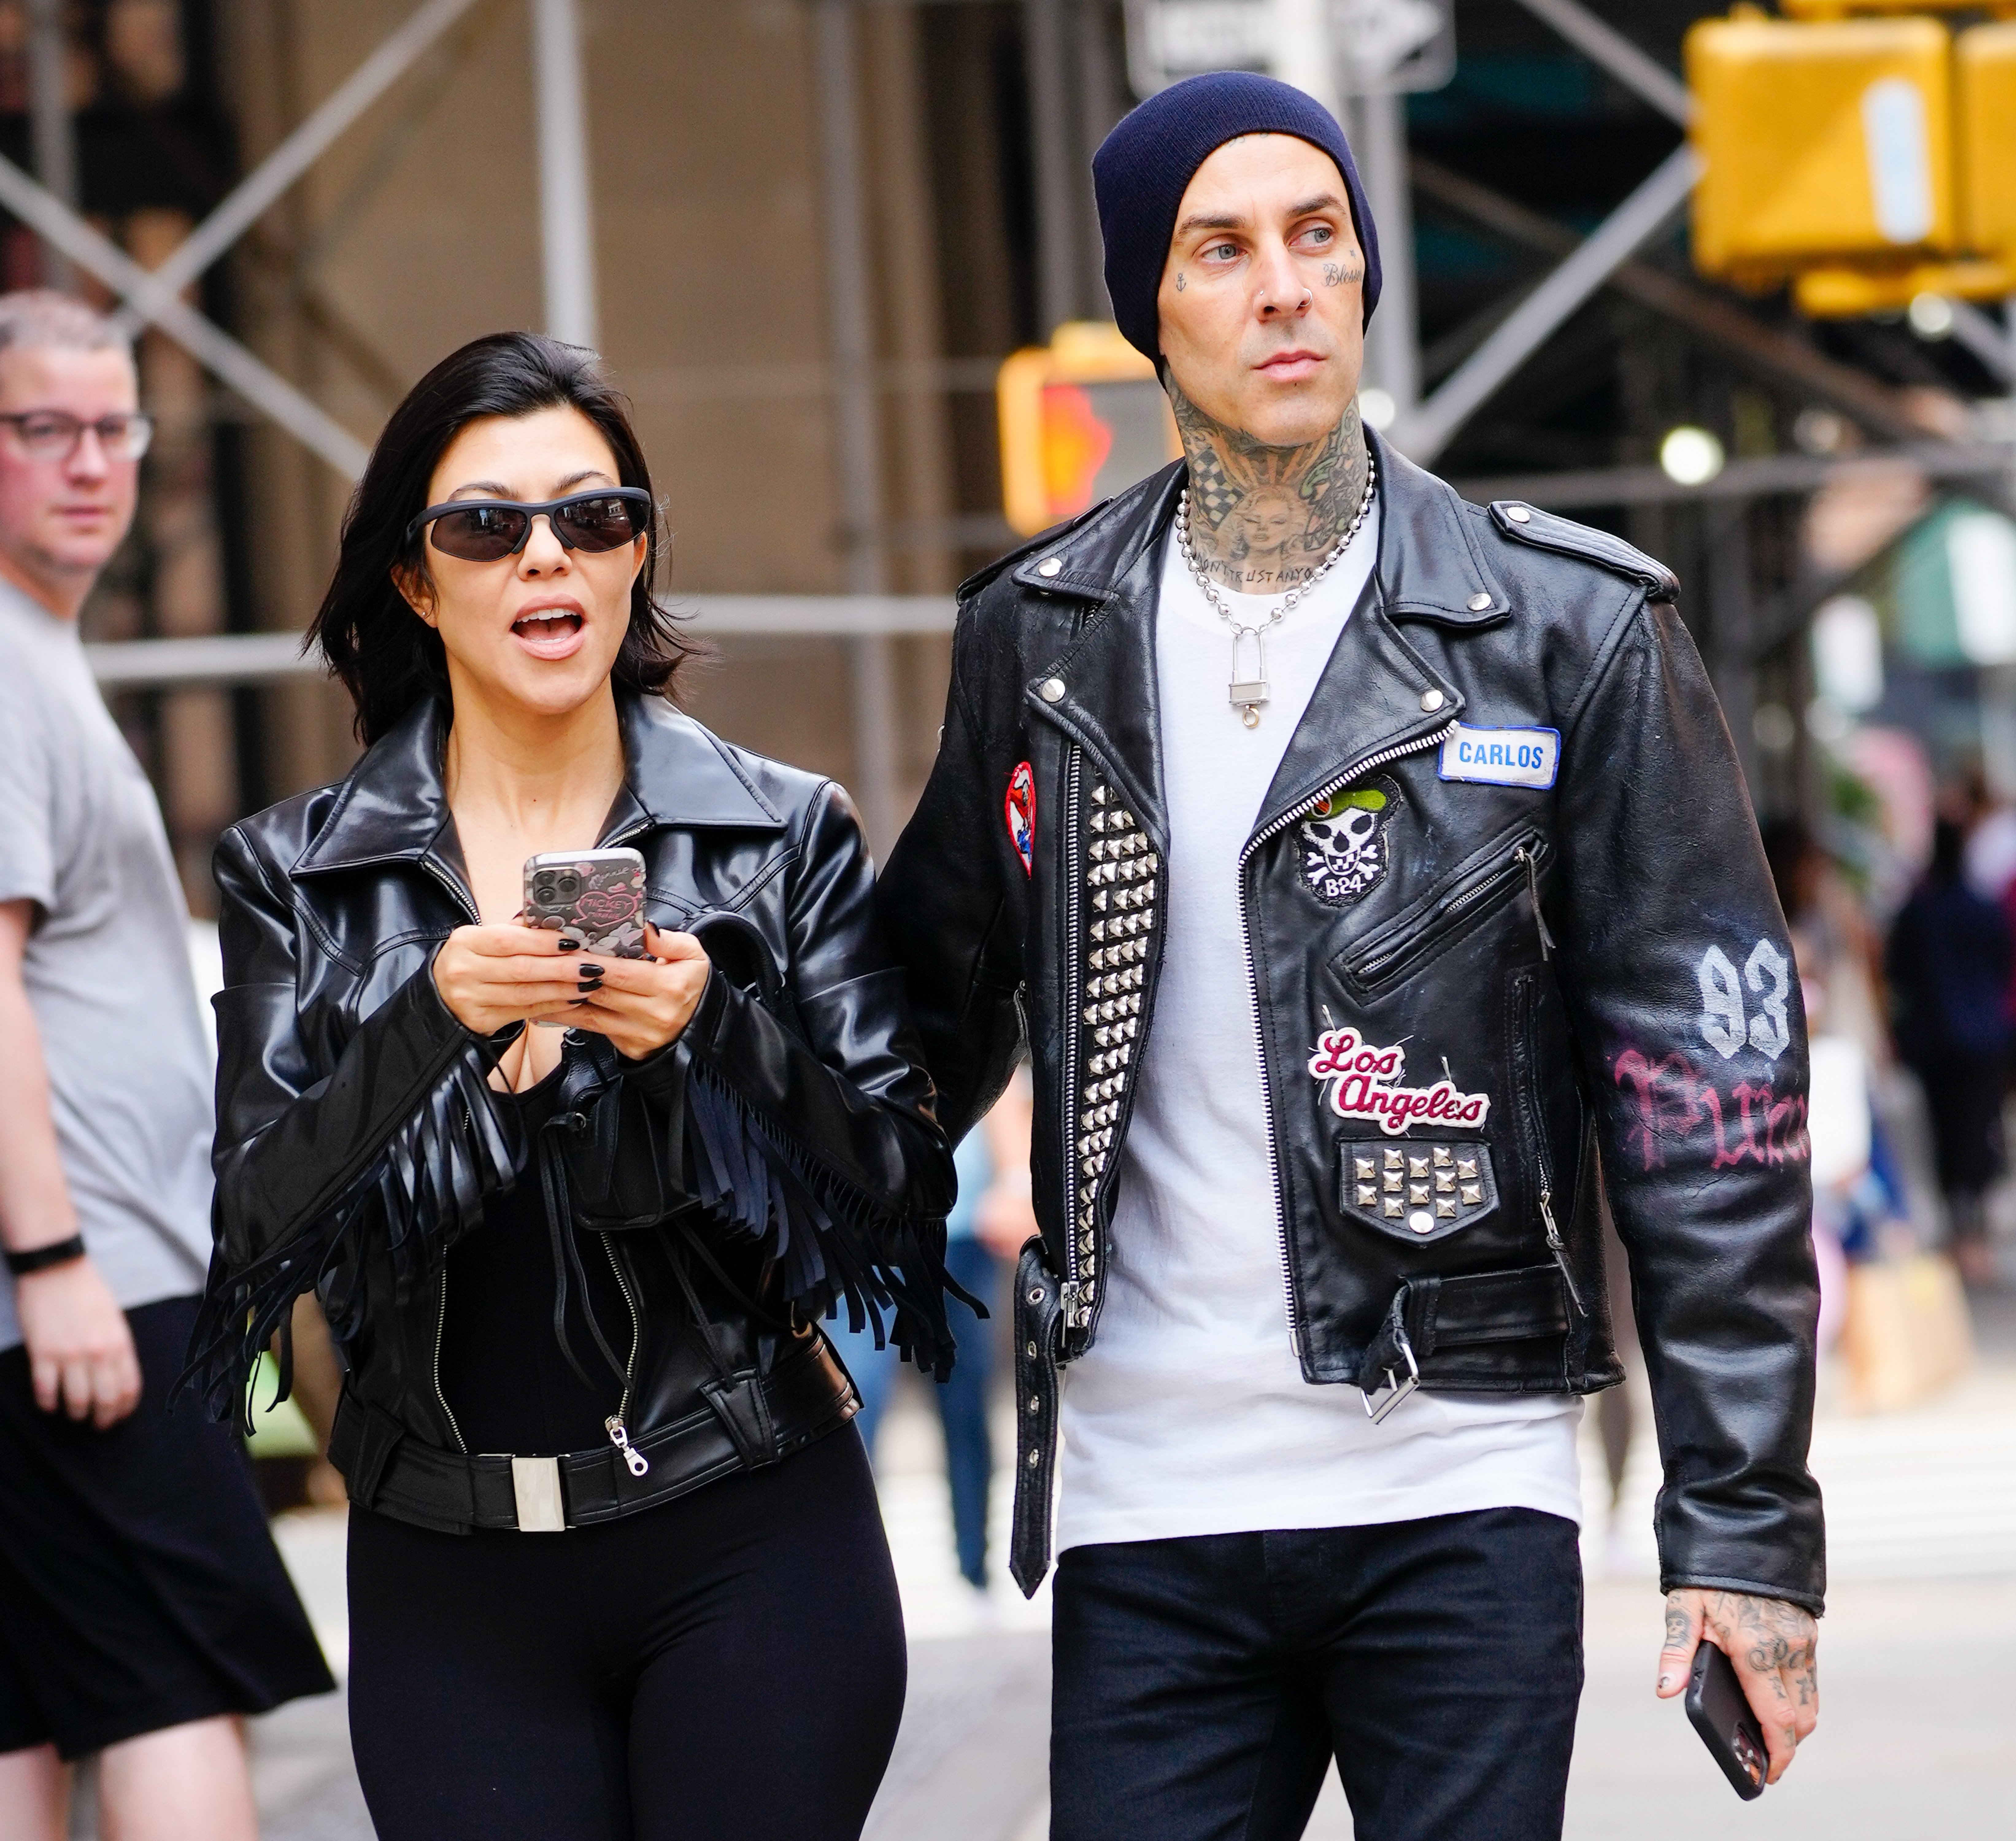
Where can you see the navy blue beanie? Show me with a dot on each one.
(1144, 167)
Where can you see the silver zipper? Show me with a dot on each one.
(440, 1330)
(1356, 771)
(1486, 885)
(1074, 922)
(1560, 1252)
(619, 1434)
(1536, 1128)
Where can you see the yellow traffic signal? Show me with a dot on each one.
(1082, 418)
(1821, 141)
(1985, 69)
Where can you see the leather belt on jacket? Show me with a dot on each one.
(762, 1419)
(1425, 1316)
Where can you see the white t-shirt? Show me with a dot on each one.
(1190, 1415)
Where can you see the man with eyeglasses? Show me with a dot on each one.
(143, 1609)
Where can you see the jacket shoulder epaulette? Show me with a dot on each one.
(981, 577)
(1528, 524)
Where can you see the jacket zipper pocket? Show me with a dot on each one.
(1478, 893)
(1526, 1076)
(440, 1330)
(619, 1434)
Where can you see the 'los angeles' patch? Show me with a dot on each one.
(1022, 812)
(1503, 757)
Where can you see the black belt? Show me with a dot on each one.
(744, 1425)
(1426, 1314)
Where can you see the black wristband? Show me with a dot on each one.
(41, 1257)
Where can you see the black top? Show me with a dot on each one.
(502, 1370)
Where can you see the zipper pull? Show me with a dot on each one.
(1532, 864)
(1560, 1252)
(636, 1459)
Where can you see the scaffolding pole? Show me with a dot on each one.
(566, 216)
(857, 438)
(52, 133)
(1054, 152)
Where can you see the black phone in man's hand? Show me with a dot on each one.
(1728, 1727)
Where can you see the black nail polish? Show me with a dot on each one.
(568, 946)
(588, 970)
(576, 1002)
(588, 986)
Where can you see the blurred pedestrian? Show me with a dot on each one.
(1948, 963)
(1350, 863)
(143, 1606)
(988, 1228)
(610, 1573)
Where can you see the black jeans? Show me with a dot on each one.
(729, 1667)
(1201, 1686)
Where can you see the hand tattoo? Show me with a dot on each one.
(1264, 517)
(1774, 1645)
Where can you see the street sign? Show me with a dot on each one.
(1382, 46)
(1081, 419)
(1169, 40)
(1389, 47)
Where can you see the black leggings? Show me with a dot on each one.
(728, 1667)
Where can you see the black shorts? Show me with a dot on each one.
(138, 1587)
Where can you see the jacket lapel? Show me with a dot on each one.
(1103, 685)
(1377, 693)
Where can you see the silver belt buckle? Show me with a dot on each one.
(1395, 1391)
(535, 1481)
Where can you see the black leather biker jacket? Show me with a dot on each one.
(1512, 941)
(781, 1155)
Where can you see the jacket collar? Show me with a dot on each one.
(393, 808)
(1376, 693)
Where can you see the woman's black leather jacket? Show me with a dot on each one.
(781, 1156)
(1508, 924)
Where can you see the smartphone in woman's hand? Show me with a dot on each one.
(595, 898)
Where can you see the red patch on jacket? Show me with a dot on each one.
(1021, 809)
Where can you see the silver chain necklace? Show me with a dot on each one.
(1247, 694)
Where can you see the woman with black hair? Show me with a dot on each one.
(609, 1575)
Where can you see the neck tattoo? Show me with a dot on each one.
(1247, 694)
(1258, 519)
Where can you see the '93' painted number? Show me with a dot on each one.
(1726, 1025)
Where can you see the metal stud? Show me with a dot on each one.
(1432, 700)
(1050, 567)
(1479, 601)
(1518, 514)
(1051, 690)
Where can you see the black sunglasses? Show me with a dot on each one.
(485, 529)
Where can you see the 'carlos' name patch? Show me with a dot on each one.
(1503, 757)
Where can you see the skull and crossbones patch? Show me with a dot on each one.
(1342, 842)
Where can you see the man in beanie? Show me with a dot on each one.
(1371, 881)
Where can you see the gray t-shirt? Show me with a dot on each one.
(107, 968)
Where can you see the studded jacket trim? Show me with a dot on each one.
(1506, 913)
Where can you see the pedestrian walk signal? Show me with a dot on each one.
(1866, 160)
(1081, 419)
